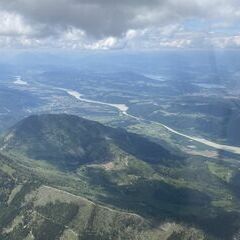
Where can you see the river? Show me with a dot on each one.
(124, 108)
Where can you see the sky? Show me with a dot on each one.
(119, 24)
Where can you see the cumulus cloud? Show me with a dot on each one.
(13, 24)
(227, 42)
(110, 24)
(111, 17)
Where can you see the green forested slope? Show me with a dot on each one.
(136, 189)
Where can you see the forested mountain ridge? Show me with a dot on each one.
(64, 177)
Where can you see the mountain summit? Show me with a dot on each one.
(69, 141)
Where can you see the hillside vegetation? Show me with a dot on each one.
(64, 177)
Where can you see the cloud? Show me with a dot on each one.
(113, 18)
(227, 42)
(13, 24)
(106, 43)
(111, 24)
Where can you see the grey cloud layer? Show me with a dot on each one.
(101, 18)
(110, 24)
